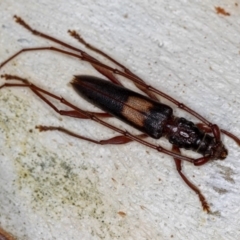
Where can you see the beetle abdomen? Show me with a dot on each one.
(133, 108)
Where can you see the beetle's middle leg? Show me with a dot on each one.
(114, 140)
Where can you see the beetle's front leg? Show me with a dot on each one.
(216, 131)
(202, 199)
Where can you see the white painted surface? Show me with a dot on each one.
(57, 187)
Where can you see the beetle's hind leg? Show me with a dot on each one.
(75, 112)
(108, 73)
(41, 92)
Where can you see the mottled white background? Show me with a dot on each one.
(57, 187)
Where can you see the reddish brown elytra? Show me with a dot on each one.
(144, 113)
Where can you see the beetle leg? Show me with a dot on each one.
(202, 199)
(36, 90)
(235, 138)
(105, 72)
(204, 127)
(6, 235)
(71, 113)
(216, 133)
(214, 129)
(114, 140)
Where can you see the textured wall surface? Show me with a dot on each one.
(56, 187)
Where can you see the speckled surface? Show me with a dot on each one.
(57, 187)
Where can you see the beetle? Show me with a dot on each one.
(143, 112)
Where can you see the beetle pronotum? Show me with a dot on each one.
(145, 113)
